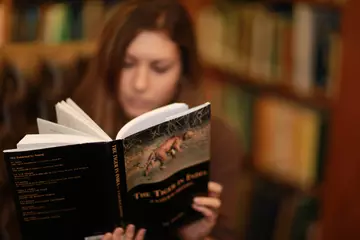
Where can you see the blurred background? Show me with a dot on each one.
(273, 69)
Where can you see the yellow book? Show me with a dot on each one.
(309, 123)
(287, 141)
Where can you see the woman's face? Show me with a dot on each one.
(150, 74)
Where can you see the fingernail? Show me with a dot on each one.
(118, 232)
(131, 227)
(194, 205)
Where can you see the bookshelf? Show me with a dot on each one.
(339, 207)
(339, 200)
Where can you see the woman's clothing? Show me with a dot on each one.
(225, 165)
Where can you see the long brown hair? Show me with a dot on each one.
(97, 93)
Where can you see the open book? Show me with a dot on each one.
(72, 181)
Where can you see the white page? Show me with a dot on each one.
(70, 109)
(76, 108)
(37, 146)
(47, 127)
(67, 117)
(39, 141)
(80, 116)
(150, 119)
(186, 112)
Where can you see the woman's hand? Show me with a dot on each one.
(209, 207)
(118, 234)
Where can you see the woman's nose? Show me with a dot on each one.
(141, 80)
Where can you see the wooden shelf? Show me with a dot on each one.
(333, 4)
(24, 53)
(39, 47)
(317, 100)
(284, 184)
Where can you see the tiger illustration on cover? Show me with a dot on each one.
(167, 165)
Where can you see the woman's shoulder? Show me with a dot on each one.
(225, 168)
(218, 125)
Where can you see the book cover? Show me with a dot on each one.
(71, 183)
(166, 166)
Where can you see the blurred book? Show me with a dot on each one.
(59, 21)
(306, 215)
(238, 105)
(25, 24)
(232, 104)
(289, 142)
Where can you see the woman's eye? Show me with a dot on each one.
(128, 64)
(159, 69)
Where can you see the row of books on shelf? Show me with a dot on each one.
(280, 214)
(56, 22)
(294, 44)
(30, 92)
(284, 140)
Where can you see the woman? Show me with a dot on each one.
(147, 58)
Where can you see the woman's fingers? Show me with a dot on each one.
(118, 234)
(207, 212)
(215, 189)
(209, 202)
(108, 236)
(204, 210)
(130, 232)
(140, 235)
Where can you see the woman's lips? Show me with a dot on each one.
(139, 103)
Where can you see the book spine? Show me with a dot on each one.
(123, 183)
(116, 155)
(118, 163)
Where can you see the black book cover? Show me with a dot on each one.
(66, 192)
(148, 179)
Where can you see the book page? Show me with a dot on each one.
(48, 127)
(40, 141)
(74, 106)
(69, 117)
(150, 119)
(191, 110)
